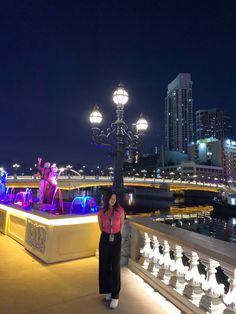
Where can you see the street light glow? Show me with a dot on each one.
(96, 116)
(120, 96)
(141, 124)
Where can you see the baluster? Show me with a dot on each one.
(154, 257)
(178, 270)
(150, 255)
(230, 298)
(212, 301)
(145, 251)
(165, 262)
(193, 288)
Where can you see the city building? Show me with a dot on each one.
(207, 151)
(213, 123)
(179, 113)
(229, 160)
(215, 153)
(143, 166)
(191, 171)
(149, 165)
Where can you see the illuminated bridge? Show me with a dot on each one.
(76, 182)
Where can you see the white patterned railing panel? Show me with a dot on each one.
(183, 266)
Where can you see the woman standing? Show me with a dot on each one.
(111, 221)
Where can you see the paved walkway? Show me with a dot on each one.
(29, 286)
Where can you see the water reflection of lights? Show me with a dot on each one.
(219, 228)
(130, 199)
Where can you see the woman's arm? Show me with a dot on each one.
(100, 222)
(122, 220)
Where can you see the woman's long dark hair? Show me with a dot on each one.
(106, 202)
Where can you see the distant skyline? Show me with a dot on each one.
(59, 59)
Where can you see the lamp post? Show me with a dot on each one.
(118, 138)
(15, 167)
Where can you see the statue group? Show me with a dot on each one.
(48, 181)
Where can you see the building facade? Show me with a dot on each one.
(230, 160)
(213, 123)
(216, 153)
(208, 151)
(191, 171)
(179, 114)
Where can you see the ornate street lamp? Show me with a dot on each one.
(118, 138)
(15, 167)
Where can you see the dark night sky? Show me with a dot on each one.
(59, 58)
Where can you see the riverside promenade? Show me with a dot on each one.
(29, 286)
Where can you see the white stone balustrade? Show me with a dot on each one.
(166, 263)
(185, 286)
(230, 298)
(154, 257)
(145, 251)
(211, 301)
(178, 270)
(194, 279)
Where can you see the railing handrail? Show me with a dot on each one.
(219, 250)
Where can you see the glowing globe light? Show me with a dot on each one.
(120, 96)
(96, 116)
(141, 124)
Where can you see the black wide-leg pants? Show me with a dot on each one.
(109, 265)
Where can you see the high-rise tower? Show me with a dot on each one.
(179, 113)
(213, 123)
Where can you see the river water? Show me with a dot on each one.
(207, 223)
(158, 203)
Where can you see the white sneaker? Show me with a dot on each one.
(108, 297)
(114, 303)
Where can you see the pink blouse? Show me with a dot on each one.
(116, 221)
